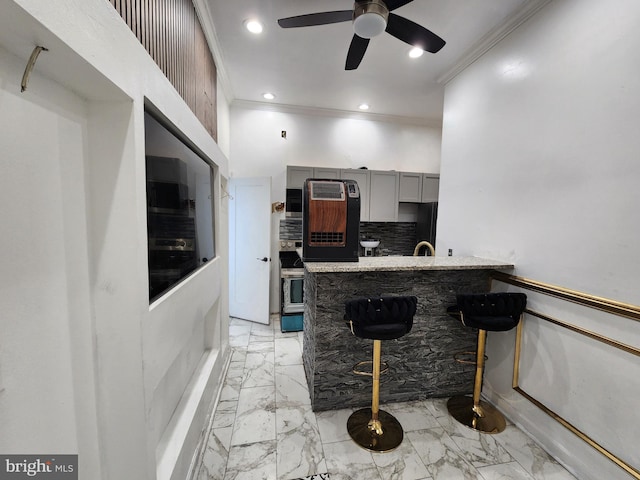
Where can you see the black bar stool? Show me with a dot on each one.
(494, 312)
(384, 318)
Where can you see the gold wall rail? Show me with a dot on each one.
(599, 303)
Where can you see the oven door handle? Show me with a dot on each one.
(263, 259)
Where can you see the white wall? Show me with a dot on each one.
(36, 354)
(87, 366)
(539, 167)
(322, 139)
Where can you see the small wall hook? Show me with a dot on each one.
(225, 193)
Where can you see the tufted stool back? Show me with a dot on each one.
(496, 312)
(381, 318)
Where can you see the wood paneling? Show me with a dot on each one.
(327, 215)
(171, 32)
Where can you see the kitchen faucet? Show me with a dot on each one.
(432, 250)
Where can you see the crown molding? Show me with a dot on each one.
(330, 112)
(206, 21)
(486, 43)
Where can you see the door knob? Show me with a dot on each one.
(263, 259)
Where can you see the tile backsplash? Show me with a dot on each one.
(291, 229)
(396, 238)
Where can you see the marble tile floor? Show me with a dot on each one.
(264, 429)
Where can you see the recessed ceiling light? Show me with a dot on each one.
(268, 96)
(254, 26)
(363, 106)
(416, 52)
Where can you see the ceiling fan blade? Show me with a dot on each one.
(393, 4)
(413, 34)
(321, 18)
(356, 51)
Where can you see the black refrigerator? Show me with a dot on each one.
(426, 222)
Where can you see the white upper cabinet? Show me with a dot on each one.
(363, 179)
(383, 196)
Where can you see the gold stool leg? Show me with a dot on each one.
(372, 428)
(471, 411)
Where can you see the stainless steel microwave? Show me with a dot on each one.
(293, 203)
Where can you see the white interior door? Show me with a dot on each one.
(249, 248)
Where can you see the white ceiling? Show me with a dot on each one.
(304, 67)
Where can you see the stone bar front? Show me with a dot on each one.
(421, 364)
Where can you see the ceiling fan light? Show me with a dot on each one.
(370, 18)
(369, 25)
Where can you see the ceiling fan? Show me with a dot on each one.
(371, 18)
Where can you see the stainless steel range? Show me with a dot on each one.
(292, 286)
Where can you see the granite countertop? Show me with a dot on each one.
(393, 264)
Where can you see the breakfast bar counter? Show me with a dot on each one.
(403, 263)
(421, 364)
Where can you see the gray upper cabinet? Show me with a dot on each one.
(419, 187)
(380, 190)
(430, 187)
(383, 196)
(297, 175)
(328, 173)
(363, 180)
(410, 187)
